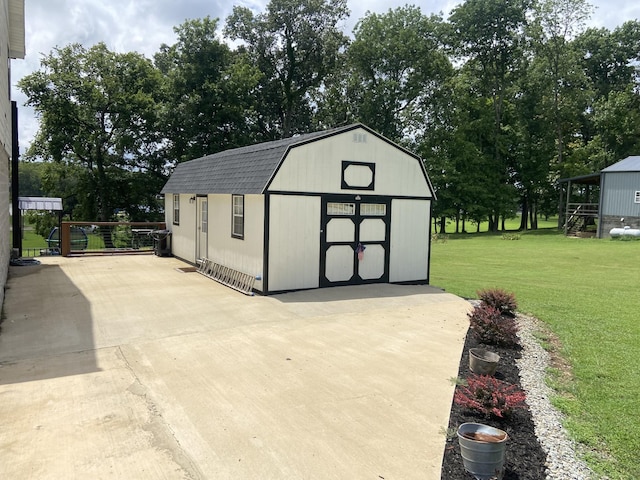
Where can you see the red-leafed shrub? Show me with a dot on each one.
(500, 299)
(489, 396)
(489, 326)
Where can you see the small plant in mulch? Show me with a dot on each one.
(489, 396)
(490, 326)
(500, 299)
(510, 236)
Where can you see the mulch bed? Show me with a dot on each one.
(524, 459)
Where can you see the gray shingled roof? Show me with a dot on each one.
(244, 170)
(629, 164)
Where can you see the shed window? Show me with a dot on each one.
(176, 209)
(237, 222)
(373, 209)
(637, 198)
(334, 208)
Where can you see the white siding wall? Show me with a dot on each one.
(409, 254)
(244, 255)
(294, 242)
(183, 242)
(5, 148)
(317, 166)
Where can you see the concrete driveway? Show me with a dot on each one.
(124, 367)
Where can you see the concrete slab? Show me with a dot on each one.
(125, 367)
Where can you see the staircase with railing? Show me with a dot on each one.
(579, 216)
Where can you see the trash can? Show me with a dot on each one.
(161, 242)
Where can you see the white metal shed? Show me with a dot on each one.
(338, 207)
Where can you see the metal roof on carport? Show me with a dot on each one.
(40, 203)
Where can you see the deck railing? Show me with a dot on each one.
(105, 237)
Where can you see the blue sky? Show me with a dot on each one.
(143, 25)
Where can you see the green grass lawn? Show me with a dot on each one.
(586, 291)
(32, 240)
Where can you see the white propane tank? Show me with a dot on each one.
(619, 232)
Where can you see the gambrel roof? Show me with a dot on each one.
(245, 170)
(629, 164)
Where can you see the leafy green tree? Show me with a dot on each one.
(610, 129)
(30, 179)
(296, 44)
(488, 36)
(610, 59)
(396, 66)
(98, 110)
(556, 23)
(209, 92)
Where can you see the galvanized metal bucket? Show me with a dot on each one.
(483, 362)
(483, 450)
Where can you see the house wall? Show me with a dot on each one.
(613, 221)
(294, 242)
(618, 194)
(244, 255)
(5, 148)
(317, 167)
(183, 242)
(617, 201)
(410, 227)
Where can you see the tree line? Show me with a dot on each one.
(502, 98)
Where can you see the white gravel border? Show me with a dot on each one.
(562, 462)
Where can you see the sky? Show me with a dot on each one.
(144, 25)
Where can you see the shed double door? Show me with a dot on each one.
(354, 242)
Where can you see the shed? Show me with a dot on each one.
(338, 207)
(610, 198)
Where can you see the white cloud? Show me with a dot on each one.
(143, 25)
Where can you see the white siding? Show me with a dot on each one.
(183, 242)
(5, 102)
(5, 147)
(317, 167)
(244, 255)
(294, 242)
(409, 254)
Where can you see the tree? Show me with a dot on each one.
(208, 92)
(556, 23)
(30, 179)
(533, 146)
(296, 45)
(611, 125)
(396, 66)
(97, 110)
(488, 36)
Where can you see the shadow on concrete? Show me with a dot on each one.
(357, 292)
(47, 327)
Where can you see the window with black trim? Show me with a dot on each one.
(237, 216)
(176, 209)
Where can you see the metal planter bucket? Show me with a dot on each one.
(483, 449)
(483, 362)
